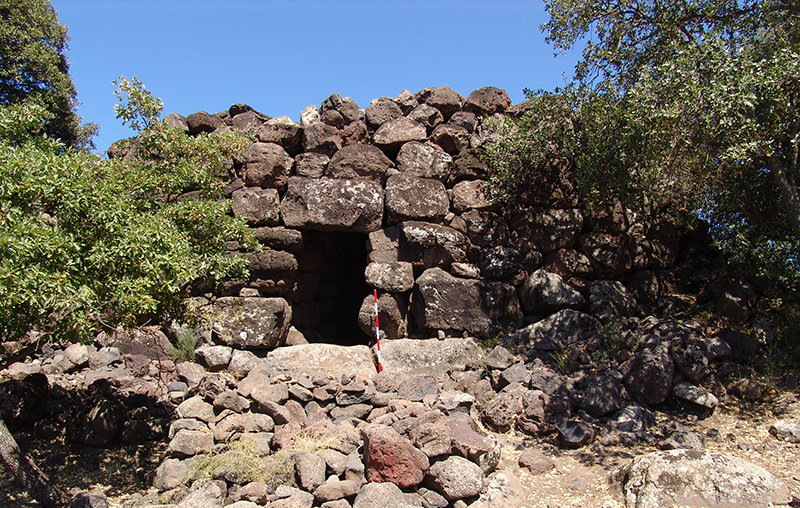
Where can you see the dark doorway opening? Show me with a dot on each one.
(331, 287)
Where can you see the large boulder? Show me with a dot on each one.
(559, 331)
(544, 293)
(431, 357)
(267, 165)
(682, 477)
(394, 133)
(486, 229)
(431, 245)
(259, 207)
(456, 478)
(409, 197)
(487, 101)
(424, 160)
(281, 131)
(452, 138)
(611, 255)
(321, 138)
(649, 372)
(333, 204)
(359, 161)
(391, 315)
(382, 110)
(251, 323)
(444, 302)
(392, 277)
(446, 101)
(471, 195)
(389, 457)
(319, 358)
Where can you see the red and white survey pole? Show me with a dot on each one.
(377, 329)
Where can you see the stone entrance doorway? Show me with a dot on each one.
(331, 287)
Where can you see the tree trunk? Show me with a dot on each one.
(32, 478)
(789, 196)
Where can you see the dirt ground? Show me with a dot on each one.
(580, 477)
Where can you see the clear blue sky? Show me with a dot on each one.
(279, 56)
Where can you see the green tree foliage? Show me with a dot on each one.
(687, 106)
(34, 67)
(86, 242)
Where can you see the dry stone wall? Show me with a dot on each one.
(393, 196)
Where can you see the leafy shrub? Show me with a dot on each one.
(87, 243)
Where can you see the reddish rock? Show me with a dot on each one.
(389, 457)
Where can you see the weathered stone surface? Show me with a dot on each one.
(431, 245)
(424, 160)
(170, 474)
(432, 438)
(380, 495)
(471, 195)
(188, 443)
(394, 133)
(391, 316)
(786, 431)
(336, 489)
(426, 357)
(281, 131)
(426, 115)
(568, 263)
(611, 255)
(310, 470)
(205, 494)
(249, 121)
(445, 100)
(465, 119)
(444, 302)
(610, 299)
(251, 323)
(389, 457)
(486, 229)
(310, 164)
(487, 101)
(359, 161)
(196, 408)
(681, 477)
(311, 359)
(452, 138)
(603, 395)
(391, 277)
(549, 229)
(202, 122)
(466, 441)
(499, 358)
(267, 165)
(535, 461)
(648, 373)
(409, 197)
(562, 329)
(415, 388)
(259, 207)
(279, 238)
(176, 121)
(573, 434)
(381, 110)
(456, 478)
(321, 138)
(501, 412)
(544, 293)
(333, 204)
(695, 395)
(215, 358)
